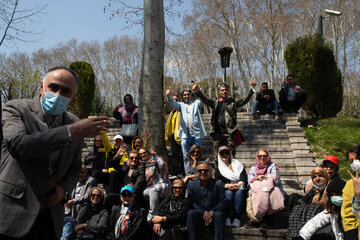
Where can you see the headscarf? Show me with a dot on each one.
(190, 160)
(133, 141)
(261, 168)
(318, 193)
(93, 210)
(129, 107)
(233, 176)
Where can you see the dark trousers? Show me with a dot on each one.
(43, 228)
(176, 164)
(289, 106)
(112, 178)
(195, 221)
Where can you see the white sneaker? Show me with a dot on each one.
(228, 222)
(236, 223)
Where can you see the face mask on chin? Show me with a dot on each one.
(355, 165)
(54, 104)
(336, 200)
(320, 187)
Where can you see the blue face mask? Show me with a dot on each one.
(336, 200)
(54, 104)
(319, 187)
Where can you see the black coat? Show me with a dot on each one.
(138, 227)
(97, 225)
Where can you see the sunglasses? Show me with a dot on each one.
(98, 141)
(143, 153)
(203, 170)
(224, 153)
(262, 156)
(134, 158)
(138, 142)
(178, 188)
(195, 152)
(93, 195)
(126, 195)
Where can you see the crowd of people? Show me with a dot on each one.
(125, 190)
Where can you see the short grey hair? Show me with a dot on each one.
(224, 84)
(73, 73)
(206, 163)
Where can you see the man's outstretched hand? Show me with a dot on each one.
(89, 127)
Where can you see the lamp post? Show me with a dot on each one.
(320, 19)
(225, 53)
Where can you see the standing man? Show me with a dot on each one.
(208, 197)
(223, 119)
(291, 95)
(265, 102)
(41, 157)
(192, 129)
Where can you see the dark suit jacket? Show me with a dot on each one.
(216, 194)
(24, 167)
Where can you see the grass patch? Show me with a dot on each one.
(334, 136)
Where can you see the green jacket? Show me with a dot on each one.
(230, 114)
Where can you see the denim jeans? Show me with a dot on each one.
(186, 144)
(235, 201)
(68, 228)
(266, 107)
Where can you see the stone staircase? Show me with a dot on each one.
(287, 145)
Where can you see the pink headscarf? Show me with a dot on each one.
(261, 168)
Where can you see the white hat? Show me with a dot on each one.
(118, 136)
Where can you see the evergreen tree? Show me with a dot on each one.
(311, 60)
(82, 104)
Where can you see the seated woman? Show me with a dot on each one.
(92, 219)
(170, 217)
(156, 177)
(232, 173)
(331, 165)
(330, 217)
(308, 206)
(127, 219)
(96, 156)
(195, 153)
(264, 175)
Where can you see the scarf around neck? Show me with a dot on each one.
(233, 176)
(261, 168)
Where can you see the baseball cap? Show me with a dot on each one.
(127, 188)
(332, 159)
(118, 137)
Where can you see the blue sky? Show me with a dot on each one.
(84, 20)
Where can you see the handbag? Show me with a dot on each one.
(129, 130)
(237, 137)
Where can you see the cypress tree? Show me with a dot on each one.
(311, 60)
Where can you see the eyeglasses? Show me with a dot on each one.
(126, 195)
(138, 142)
(195, 152)
(98, 141)
(177, 188)
(262, 156)
(134, 158)
(203, 170)
(93, 195)
(224, 153)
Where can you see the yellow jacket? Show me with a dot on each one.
(107, 147)
(172, 127)
(350, 222)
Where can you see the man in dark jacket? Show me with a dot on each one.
(223, 120)
(265, 102)
(207, 195)
(291, 95)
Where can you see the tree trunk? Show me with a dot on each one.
(152, 75)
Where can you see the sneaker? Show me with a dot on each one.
(277, 117)
(252, 118)
(228, 222)
(264, 226)
(149, 217)
(236, 222)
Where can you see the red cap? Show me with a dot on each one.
(332, 159)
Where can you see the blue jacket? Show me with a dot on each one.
(216, 193)
(199, 129)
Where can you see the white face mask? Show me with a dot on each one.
(355, 165)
